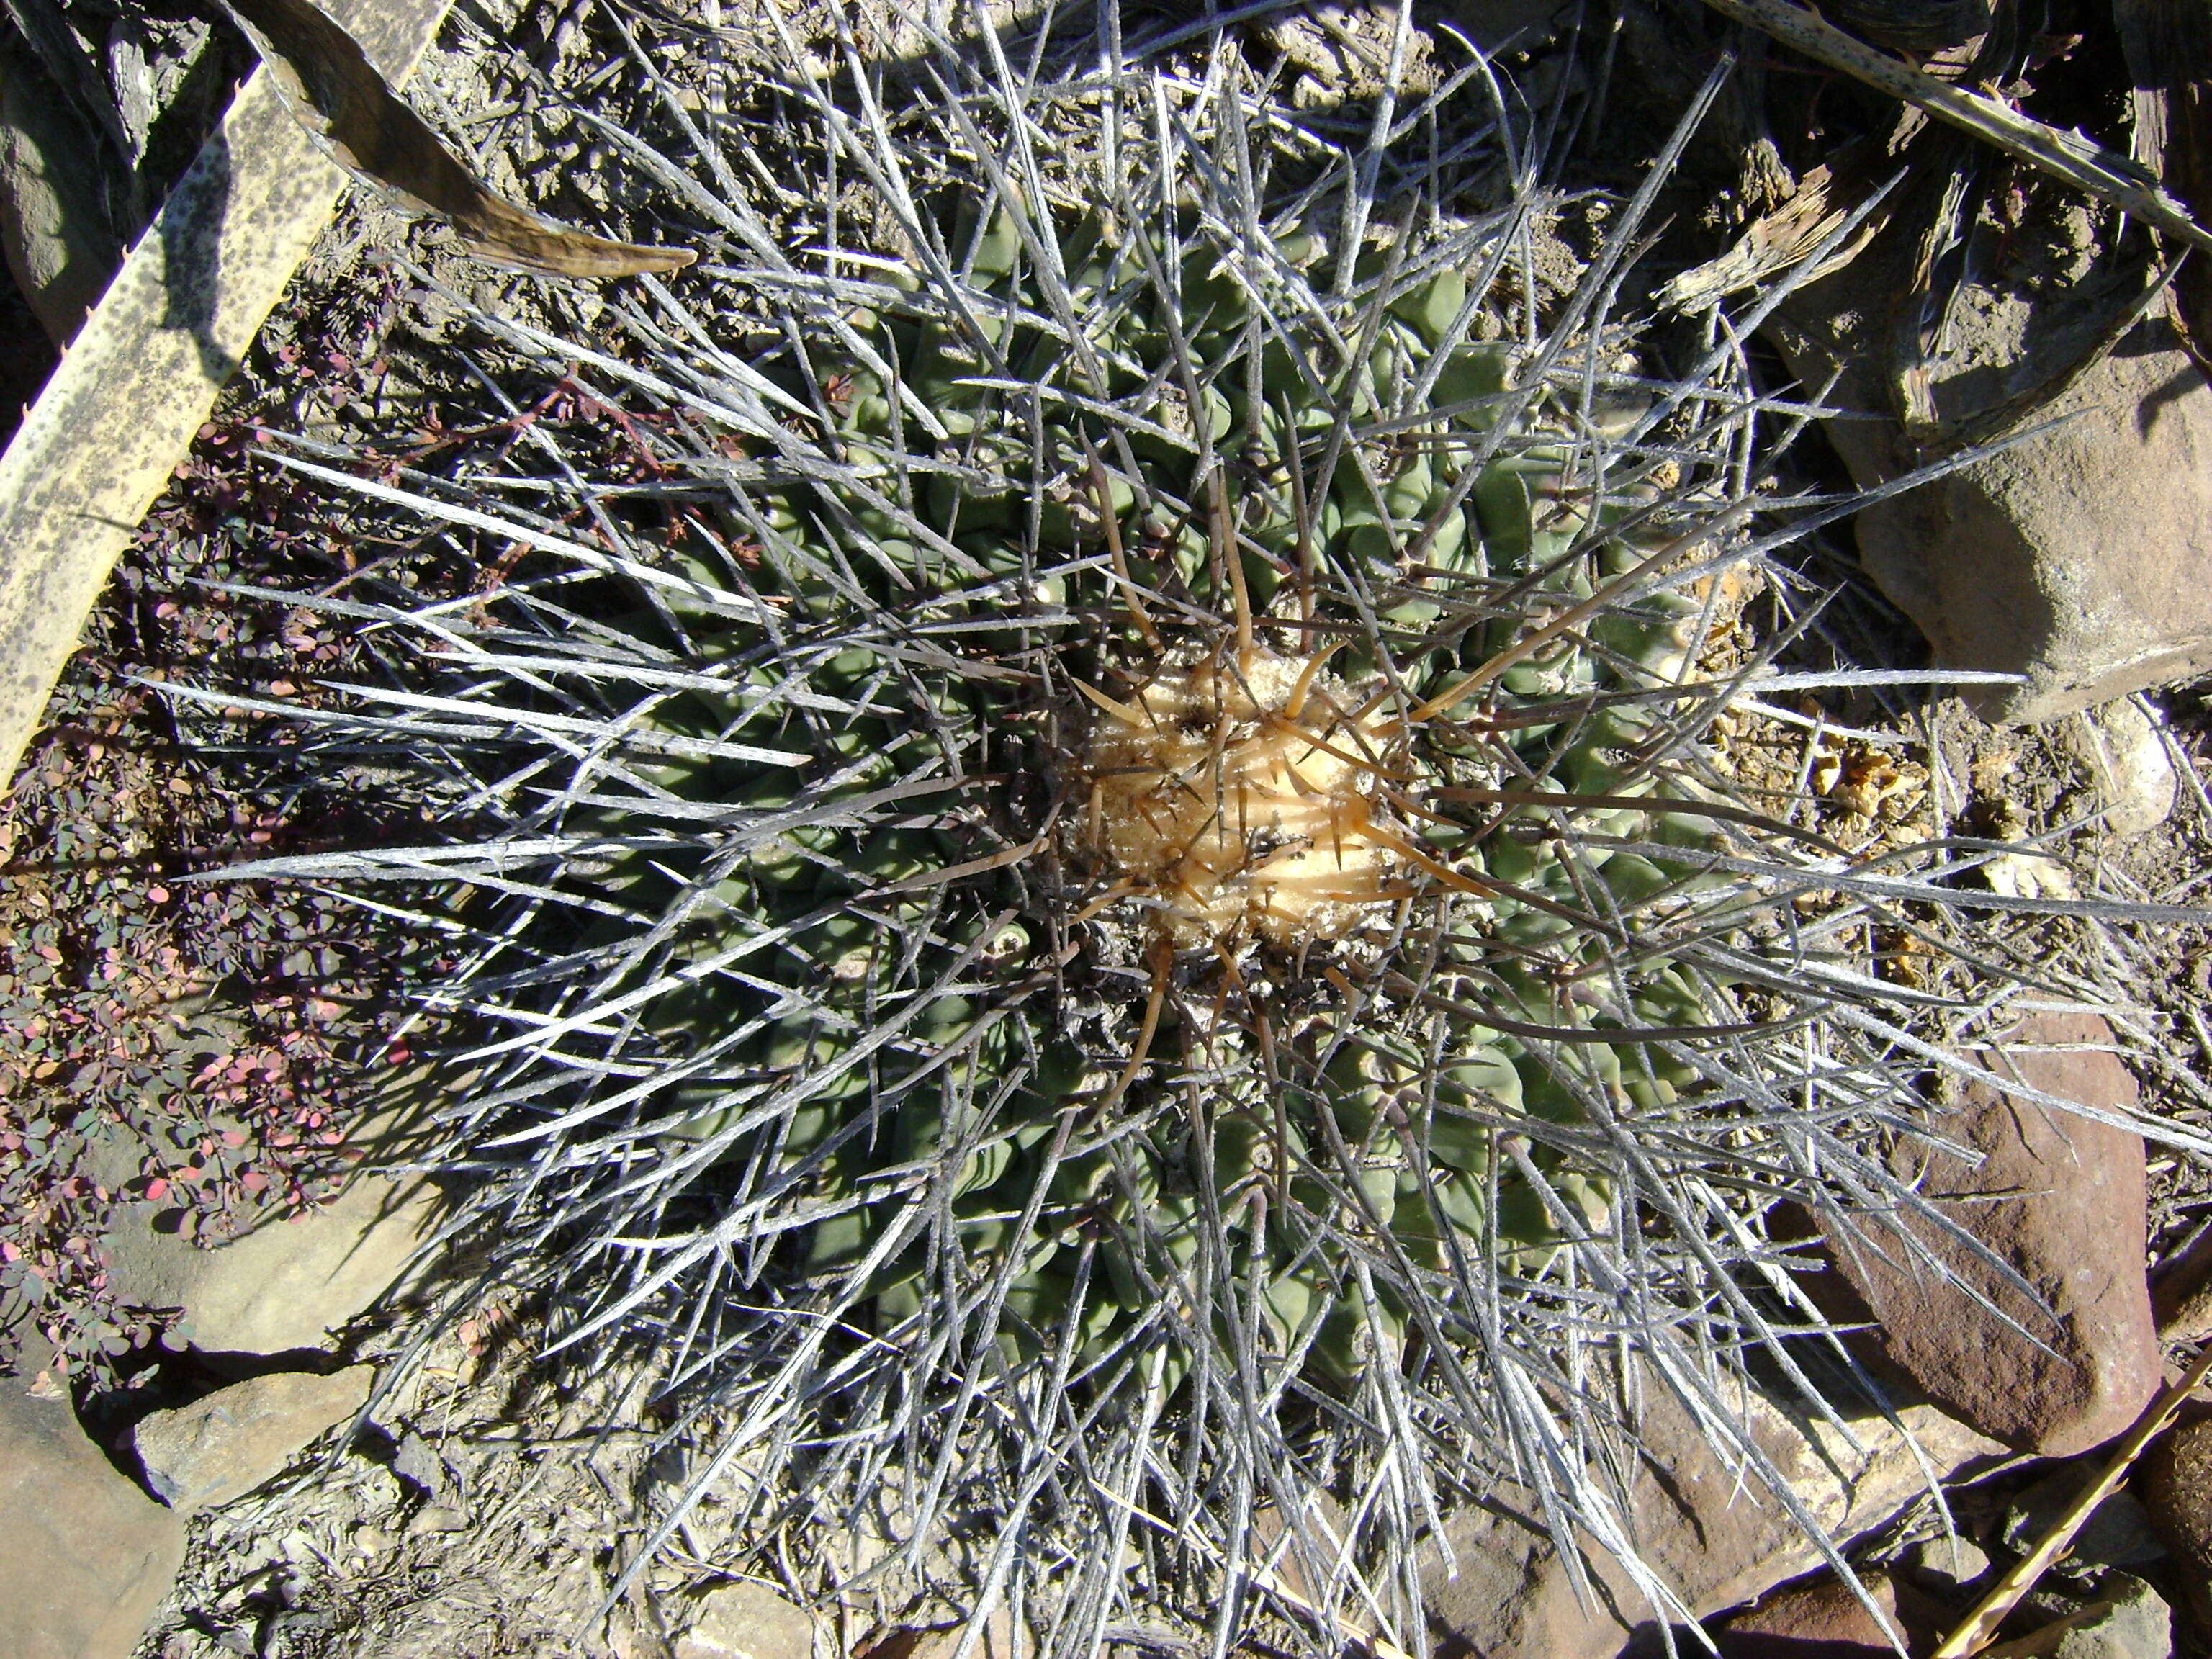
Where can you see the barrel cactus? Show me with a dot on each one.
(1105, 901)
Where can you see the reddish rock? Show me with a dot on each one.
(2060, 1200)
(1824, 1620)
(84, 1555)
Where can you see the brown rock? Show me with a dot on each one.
(2075, 558)
(2070, 1221)
(2181, 1296)
(2175, 1485)
(1824, 1620)
(1717, 1539)
(84, 1555)
(222, 1446)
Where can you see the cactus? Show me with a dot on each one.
(1107, 888)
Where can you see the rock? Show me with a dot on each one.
(2181, 1295)
(2121, 745)
(1946, 1566)
(60, 245)
(746, 1621)
(1308, 1563)
(436, 1518)
(2128, 1620)
(2175, 1485)
(2071, 1222)
(285, 1284)
(1718, 1539)
(222, 1446)
(85, 1556)
(2118, 1532)
(2074, 558)
(1825, 1620)
(1916, 26)
(1000, 1639)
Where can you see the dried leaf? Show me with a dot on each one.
(1793, 232)
(336, 93)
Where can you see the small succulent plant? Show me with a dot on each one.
(1108, 902)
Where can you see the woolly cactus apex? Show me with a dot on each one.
(1106, 905)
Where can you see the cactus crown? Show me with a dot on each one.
(1108, 905)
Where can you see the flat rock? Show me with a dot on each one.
(2058, 1199)
(85, 1556)
(223, 1445)
(2075, 558)
(1717, 1537)
(1823, 1620)
(286, 1283)
(747, 1620)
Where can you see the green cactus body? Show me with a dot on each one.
(859, 918)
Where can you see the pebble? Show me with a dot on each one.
(747, 1620)
(434, 1518)
(1947, 1566)
(2122, 746)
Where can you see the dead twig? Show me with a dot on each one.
(2070, 156)
(1972, 1636)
